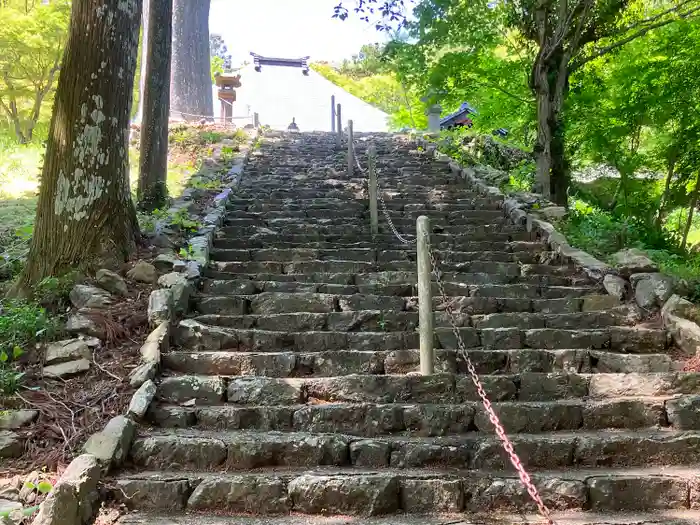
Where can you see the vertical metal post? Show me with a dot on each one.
(256, 119)
(372, 168)
(351, 150)
(332, 113)
(425, 299)
(339, 125)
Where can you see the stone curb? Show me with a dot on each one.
(75, 497)
(674, 310)
(517, 212)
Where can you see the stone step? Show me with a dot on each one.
(389, 243)
(192, 335)
(466, 200)
(389, 319)
(318, 229)
(240, 207)
(463, 217)
(367, 492)
(271, 238)
(511, 269)
(241, 450)
(448, 403)
(567, 518)
(368, 255)
(344, 284)
(355, 267)
(337, 363)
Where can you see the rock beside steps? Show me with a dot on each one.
(288, 396)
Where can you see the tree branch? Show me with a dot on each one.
(605, 50)
(505, 92)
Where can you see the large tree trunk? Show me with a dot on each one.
(661, 214)
(144, 57)
(191, 87)
(85, 216)
(153, 166)
(691, 210)
(549, 83)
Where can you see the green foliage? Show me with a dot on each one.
(18, 516)
(186, 253)
(53, 291)
(22, 325)
(157, 220)
(383, 91)
(32, 37)
(522, 177)
(217, 66)
(370, 61)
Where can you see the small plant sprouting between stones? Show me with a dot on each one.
(200, 184)
(184, 221)
(186, 252)
(17, 516)
(10, 376)
(382, 322)
(21, 326)
(158, 220)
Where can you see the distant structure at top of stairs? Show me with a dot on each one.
(259, 60)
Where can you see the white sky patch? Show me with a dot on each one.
(289, 28)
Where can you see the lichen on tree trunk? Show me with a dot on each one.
(153, 164)
(191, 86)
(85, 215)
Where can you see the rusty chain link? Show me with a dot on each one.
(525, 478)
(493, 417)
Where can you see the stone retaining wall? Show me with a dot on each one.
(633, 276)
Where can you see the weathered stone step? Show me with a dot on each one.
(318, 229)
(389, 318)
(241, 450)
(388, 243)
(361, 217)
(381, 283)
(272, 237)
(513, 298)
(443, 404)
(367, 492)
(368, 255)
(635, 340)
(513, 269)
(321, 207)
(337, 363)
(567, 518)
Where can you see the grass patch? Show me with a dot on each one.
(20, 167)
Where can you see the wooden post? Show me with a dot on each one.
(339, 125)
(425, 300)
(332, 113)
(372, 168)
(351, 150)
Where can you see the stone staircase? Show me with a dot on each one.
(291, 393)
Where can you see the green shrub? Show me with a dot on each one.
(21, 326)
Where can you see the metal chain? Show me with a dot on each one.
(399, 236)
(488, 407)
(493, 417)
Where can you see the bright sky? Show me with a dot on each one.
(288, 28)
